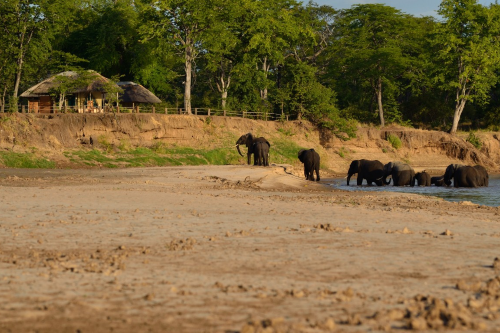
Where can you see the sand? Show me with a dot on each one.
(237, 249)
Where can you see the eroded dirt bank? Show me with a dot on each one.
(237, 249)
(51, 135)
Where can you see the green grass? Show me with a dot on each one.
(284, 152)
(474, 140)
(394, 141)
(281, 151)
(25, 160)
(157, 156)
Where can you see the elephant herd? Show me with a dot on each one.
(403, 175)
(372, 171)
(259, 147)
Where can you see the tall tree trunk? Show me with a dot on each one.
(224, 97)
(459, 108)
(188, 68)
(18, 74)
(265, 68)
(223, 87)
(2, 108)
(20, 60)
(379, 100)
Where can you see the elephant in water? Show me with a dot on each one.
(249, 140)
(423, 178)
(402, 174)
(310, 158)
(372, 171)
(437, 181)
(466, 176)
(261, 153)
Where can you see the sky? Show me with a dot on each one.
(413, 7)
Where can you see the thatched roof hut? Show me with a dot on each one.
(85, 92)
(44, 88)
(135, 93)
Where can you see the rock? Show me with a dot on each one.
(328, 324)
(446, 233)
(496, 264)
(418, 324)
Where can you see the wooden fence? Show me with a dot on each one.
(262, 115)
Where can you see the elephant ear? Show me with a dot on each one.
(301, 154)
(450, 171)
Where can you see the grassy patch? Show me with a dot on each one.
(157, 155)
(474, 140)
(284, 152)
(394, 141)
(25, 160)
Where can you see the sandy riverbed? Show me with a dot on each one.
(237, 249)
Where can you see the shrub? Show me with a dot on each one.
(394, 141)
(474, 140)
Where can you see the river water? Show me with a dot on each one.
(489, 196)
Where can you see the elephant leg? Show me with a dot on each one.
(311, 174)
(306, 173)
(359, 180)
(249, 157)
(317, 174)
(369, 182)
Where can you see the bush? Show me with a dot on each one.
(474, 140)
(394, 141)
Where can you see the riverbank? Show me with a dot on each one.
(72, 141)
(234, 248)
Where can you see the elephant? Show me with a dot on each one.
(402, 174)
(249, 140)
(261, 153)
(372, 171)
(310, 158)
(437, 181)
(423, 178)
(466, 176)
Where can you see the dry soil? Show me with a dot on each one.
(237, 249)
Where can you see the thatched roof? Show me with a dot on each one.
(135, 93)
(44, 87)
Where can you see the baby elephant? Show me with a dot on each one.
(423, 178)
(438, 181)
(310, 158)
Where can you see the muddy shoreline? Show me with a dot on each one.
(237, 249)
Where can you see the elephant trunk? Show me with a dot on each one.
(349, 178)
(238, 147)
(386, 182)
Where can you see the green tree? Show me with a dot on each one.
(270, 32)
(29, 26)
(181, 25)
(370, 49)
(468, 51)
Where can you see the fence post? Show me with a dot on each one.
(224, 113)
(243, 115)
(166, 110)
(117, 109)
(23, 110)
(179, 111)
(137, 109)
(65, 107)
(154, 111)
(286, 117)
(195, 111)
(209, 112)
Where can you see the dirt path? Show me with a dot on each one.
(236, 249)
